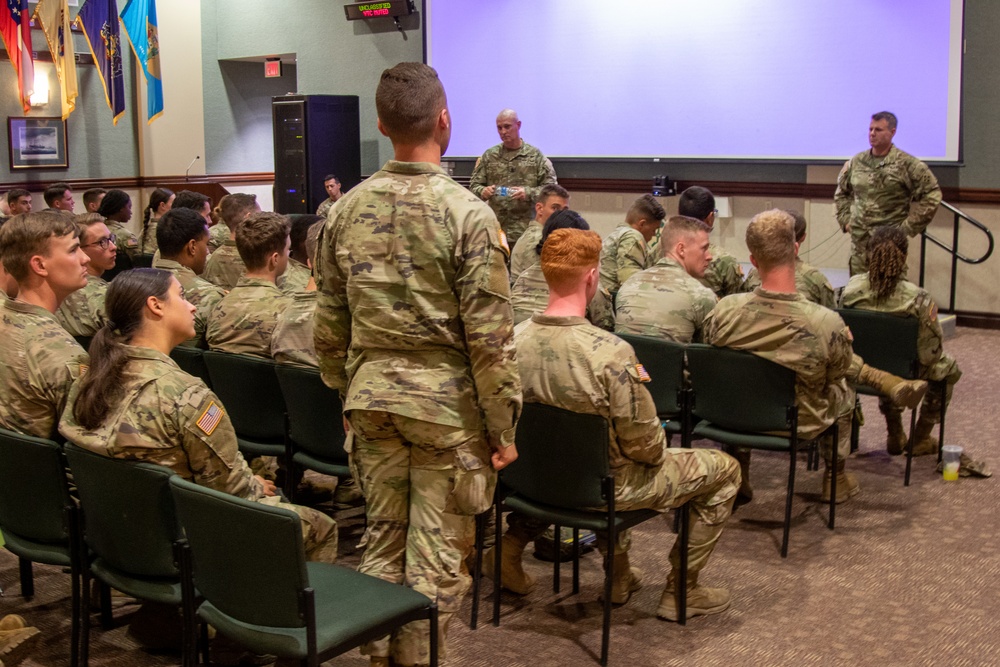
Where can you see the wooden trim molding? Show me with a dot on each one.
(173, 182)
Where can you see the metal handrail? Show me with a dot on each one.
(956, 256)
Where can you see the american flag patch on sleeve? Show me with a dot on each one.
(643, 375)
(210, 418)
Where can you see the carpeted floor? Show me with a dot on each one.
(910, 576)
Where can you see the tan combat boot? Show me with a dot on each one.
(847, 484)
(701, 600)
(904, 393)
(895, 441)
(513, 578)
(16, 640)
(625, 580)
(923, 442)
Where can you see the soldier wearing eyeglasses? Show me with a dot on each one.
(82, 313)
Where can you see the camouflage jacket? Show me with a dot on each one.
(529, 294)
(218, 234)
(912, 301)
(225, 267)
(295, 278)
(571, 364)
(809, 282)
(623, 254)
(724, 275)
(525, 167)
(524, 253)
(243, 320)
(292, 340)
(125, 241)
(323, 209)
(39, 361)
(169, 418)
(665, 302)
(811, 340)
(82, 313)
(413, 314)
(202, 294)
(147, 238)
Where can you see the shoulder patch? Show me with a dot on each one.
(850, 335)
(503, 241)
(83, 369)
(643, 373)
(934, 311)
(210, 418)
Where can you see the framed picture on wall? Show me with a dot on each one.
(37, 143)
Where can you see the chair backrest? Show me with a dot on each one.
(248, 387)
(664, 361)
(129, 518)
(192, 361)
(145, 260)
(34, 492)
(738, 390)
(886, 341)
(248, 558)
(84, 341)
(315, 421)
(562, 457)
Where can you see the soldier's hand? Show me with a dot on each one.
(847, 228)
(518, 193)
(488, 192)
(503, 457)
(269, 488)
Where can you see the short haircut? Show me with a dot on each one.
(568, 253)
(696, 202)
(564, 219)
(92, 195)
(645, 207)
(771, 238)
(888, 116)
(259, 236)
(27, 235)
(679, 226)
(552, 190)
(330, 177)
(800, 225)
(176, 228)
(54, 192)
(408, 100)
(301, 224)
(312, 241)
(16, 194)
(114, 201)
(192, 200)
(84, 221)
(235, 207)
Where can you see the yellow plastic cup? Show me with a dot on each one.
(951, 456)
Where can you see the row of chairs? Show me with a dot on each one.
(152, 535)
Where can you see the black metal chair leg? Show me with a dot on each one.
(76, 607)
(27, 578)
(107, 620)
(477, 569)
(434, 635)
(788, 504)
(85, 618)
(576, 561)
(497, 544)
(558, 553)
(609, 568)
(909, 447)
(681, 584)
(833, 476)
(944, 409)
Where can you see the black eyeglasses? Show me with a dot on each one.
(104, 242)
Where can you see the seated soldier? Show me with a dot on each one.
(225, 266)
(116, 207)
(884, 288)
(18, 201)
(809, 281)
(92, 199)
(667, 300)
(298, 275)
(566, 362)
(182, 239)
(243, 320)
(39, 360)
(624, 251)
(82, 313)
(724, 274)
(552, 198)
(159, 203)
(292, 341)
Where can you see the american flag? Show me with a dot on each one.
(15, 26)
(210, 418)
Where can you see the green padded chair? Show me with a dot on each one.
(731, 415)
(315, 424)
(192, 361)
(143, 261)
(38, 517)
(305, 611)
(248, 387)
(561, 471)
(888, 342)
(84, 341)
(130, 526)
(664, 361)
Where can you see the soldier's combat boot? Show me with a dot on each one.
(625, 580)
(742, 456)
(16, 640)
(847, 484)
(923, 442)
(895, 441)
(904, 393)
(701, 600)
(513, 578)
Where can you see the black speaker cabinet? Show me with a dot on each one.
(314, 135)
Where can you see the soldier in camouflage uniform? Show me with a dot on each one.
(884, 288)
(182, 237)
(225, 266)
(776, 323)
(724, 275)
(566, 362)
(160, 414)
(243, 320)
(116, 207)
(332, 186)
(883, 186)
(292, 340)
(667, 301)
(551, 199)
(39, 360)
(516, 165)
(624, 252)
(413, 327)
(82, 313)
(298, 275)
(160, 202)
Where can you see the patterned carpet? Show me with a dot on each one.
(910, 576)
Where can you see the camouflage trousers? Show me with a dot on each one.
(423, 484)
(319, 532)
(937, 397)
(707, 478)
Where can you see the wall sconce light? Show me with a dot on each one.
(40, 96)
